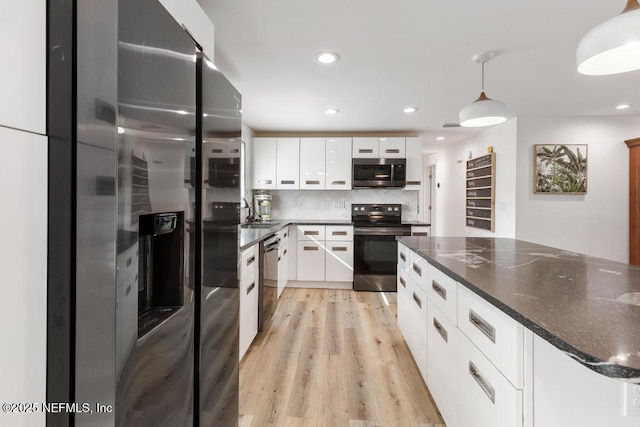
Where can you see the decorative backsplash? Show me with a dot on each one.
(292, 204)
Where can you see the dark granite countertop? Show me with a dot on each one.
(587, 307)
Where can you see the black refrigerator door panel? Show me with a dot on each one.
(156, 105)
(219, 295)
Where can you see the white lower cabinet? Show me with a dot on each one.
(310, 260)
(249, 276)
(339, 261)
(418, 333)
(404, 303)
(488, 398)
(324, 254)
(283, 267)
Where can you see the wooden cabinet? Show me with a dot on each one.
(264, 163)
(312, 163)
(414, 169)
(338, 164)
(249, 276)
(288, 163)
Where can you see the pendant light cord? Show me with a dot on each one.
(482, 85)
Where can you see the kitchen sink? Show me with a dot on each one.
(260, 225)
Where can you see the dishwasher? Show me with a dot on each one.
(268, 284)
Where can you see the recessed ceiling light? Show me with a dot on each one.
(440, 138)
(410, 110)
(327, 57)
(623, 106)
(332, 111)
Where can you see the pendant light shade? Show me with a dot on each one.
(613, 46)
(484, 111)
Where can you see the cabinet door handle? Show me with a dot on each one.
(403, 257)
(485, 327)
(235, 151)
(417, 269)
(338, 233)
(285, 252)
(251, 287)
(310, 248)
(338, 182)
(339, 249)
(402, 282)
(265, 181)
(392, 150)
(312, 182)
(417, 300)
(311, 233)
(287, 182)
(365, 150)
(420, 233)
(439, 289)
(129, 260)
(279, 258)
(216, 150)
(251, 260)
(483, 383)
(441, 330)
(414, 182)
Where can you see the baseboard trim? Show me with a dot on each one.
(319, 285)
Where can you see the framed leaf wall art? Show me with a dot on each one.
(560, 169)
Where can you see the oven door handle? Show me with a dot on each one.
(382, 231)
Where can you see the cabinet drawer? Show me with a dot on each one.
(404, 258)
(248, 312)
(442, 336)
(248, 262)
(497, 336)
(339, 232)
(310, 261)
(418, 334)
(339, 261)
(442, 290)
(311, 232)
(284, 235)
(490, 400)
(404, 303)
(419, 270)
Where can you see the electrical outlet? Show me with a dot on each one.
(340, 204)
(631, 400)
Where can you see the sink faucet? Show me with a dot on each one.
(250, 217)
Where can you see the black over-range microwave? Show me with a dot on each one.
(369, 173)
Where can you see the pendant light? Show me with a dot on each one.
(484, 111)
(613, 46)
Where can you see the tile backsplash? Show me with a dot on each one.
(330, 204)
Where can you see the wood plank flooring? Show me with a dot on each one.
(333, 358)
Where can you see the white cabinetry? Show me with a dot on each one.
(264, 163)
(312, 163)
(365, 147)
(392, 148)
(414, 164)
(404, 291)
(310, 260)
(418, 333)
(420, 230)
(283, 260)
(339, 261)
(249, 275)
(338, 164)
(288, 163)
(325, 253)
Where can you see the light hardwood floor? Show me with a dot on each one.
(333, 358)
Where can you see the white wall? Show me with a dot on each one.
(191, 16)
(451, 178)
(597, 223)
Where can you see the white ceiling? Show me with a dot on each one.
(410, 52)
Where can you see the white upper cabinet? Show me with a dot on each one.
(375, 147)
(414, 163)
(264, 163)
(365, 147)
(288, 163)
(24, 73)
(338, 164)
(392, 148)
(312, 163)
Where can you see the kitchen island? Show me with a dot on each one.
(577, 349)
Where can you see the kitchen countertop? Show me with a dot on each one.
(587, 307)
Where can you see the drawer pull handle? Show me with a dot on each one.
(417, 300)
(285, 252)
(279, 258)
(265, 181)
(420, 233)
(441, 330)
(417, 269)
(216, 150)
(338, 233)
(311, 233)
(403, 257)
(128, 291)
(312, 182)
(439, 289)
(129, 261)
(235, 151)
(365, 150)
(310, 248)
(339, 249)
(287, 182)
(251, 287)
(414, 182)
(403, 283)
(484, 326)
(392, 150)
(338, 182)
(251, 260)
(484, 384)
